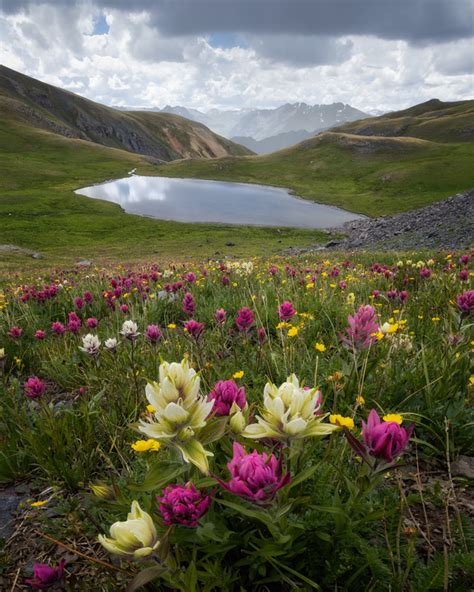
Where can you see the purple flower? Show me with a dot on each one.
(183, 504)
(261, 335)
(254, 477)
(403, 295)
(34, 387)
(194, 328)
(189, 304)
(385, 439)
(392, 294)
(45, 577)
(244, 319)
(191, 277)
(466, 302)
(464, 275)
(425, 272)
(87, 296)
(78, 302)
(92, 322)
(153, 333)
(224, 394)
(40, 334)
(286, 311)
(15, 332)
(361, 329)
(220, 316)
(57, 328)
(74, 323)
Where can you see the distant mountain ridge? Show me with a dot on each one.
(40, 106)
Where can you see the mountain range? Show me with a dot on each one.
(25, 101)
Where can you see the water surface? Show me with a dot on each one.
(195, 200)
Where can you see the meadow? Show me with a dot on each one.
(267, 424)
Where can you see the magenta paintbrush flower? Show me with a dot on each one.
(286, 311)
(385, 439)
(45, 577)
(362, 328)
(153, 333)
(189, 305)
(220, 316)
(224, 394)
(466, 302)
(183, 504)
(244, 319)
(34, 387)
(254, 477)
(15, 332)
(194, 328)
(57, 328)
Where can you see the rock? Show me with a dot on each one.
(463, 467)
(84, 263)
(332, 243)
(37, 256)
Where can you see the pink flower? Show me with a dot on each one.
(92, 322)
(124, 308)
(244, 319)
(189, 304)
(261, 335)
(403, 295)
(40, 334)
(15, 332)
(57, 328)
(45, 577)
(183, 504)
(194, 328)
(466, 302)
(425, 272)
(34, 387)
(224, 394)
(153, 333)
(254, 477)
(78, 303)
(385, 439)
(286, 311)
(463, 275)
(220, 316)
(361, 329)
(87, 296)
(191, 277)
(74, 323)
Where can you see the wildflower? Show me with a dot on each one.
(57, 328)
(289, 413)
(45, 576)
(38, 504)
(130, 330)
(90, 344)
(111, 344)
(171, 326)
(465, 302)
(238, 374)
(135, 538)
(34, 387)
(245, 319)
(180, 412)
(342, 422)
(102, 490)
(385, 440)
(255, 477)
(320, 347)
(393, 417)
(40, 335)
(153, 333)
(124, 308)
(189, 305)
(183, 504)
(15, 332)
(350, 298)
(79, 303)
(362, 328)
(224, 395)
(220, 316)
(293, 332)
(286, 311)
(146, 445)
(261, 335)
(92, 322)
(360, 400)
(74, 323)
(194, 328)
(283, 325)
(388, 328)
(88, 296)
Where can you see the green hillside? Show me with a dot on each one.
(372, 175)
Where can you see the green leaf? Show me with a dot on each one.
(158, 476)
(303, 476)
(144, 577)
(213, 431)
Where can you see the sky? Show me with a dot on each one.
(372, 54)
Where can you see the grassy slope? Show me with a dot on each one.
(38, 209)
(370, 175)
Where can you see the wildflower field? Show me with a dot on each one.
(261, 425)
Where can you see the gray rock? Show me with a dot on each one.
(463, 467)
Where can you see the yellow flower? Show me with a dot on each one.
(395, 417)
(309, 285)
(293, 332)
(320, 347)
(342, 422)
(471, 380)
(238, 374)
(360, 400)
(283, 325)
(350, 298)
(435, 319)
(171, 326)
(38, 504)
(146, 445)
(150, 408)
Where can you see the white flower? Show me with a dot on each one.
(90, 344)
(130, 330)
(289, 413)
(110, 343)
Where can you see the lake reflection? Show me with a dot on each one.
(192, 200)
